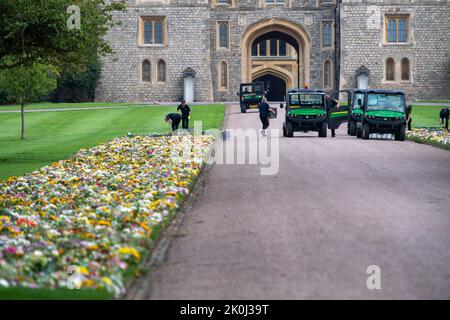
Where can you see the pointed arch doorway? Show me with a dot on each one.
(276, 44)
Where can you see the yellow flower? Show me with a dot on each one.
(107, 281)
(132, 251)
(146, 227)
(104, 223)
(84, 270)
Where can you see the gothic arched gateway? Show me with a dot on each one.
(276, 49)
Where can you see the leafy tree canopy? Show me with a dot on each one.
(36, 31)
(26, 84)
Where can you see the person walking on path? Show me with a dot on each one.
(444, 115)
(185, 114)
(264, 112)
(174, 120)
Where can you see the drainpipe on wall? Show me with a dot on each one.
(337, 44)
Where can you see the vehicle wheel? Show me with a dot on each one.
(400, 135)
(243, 108)
(323, 130)
(365, 131)
(289, 129)
(284, 130)
(358, 134)
(352, 128)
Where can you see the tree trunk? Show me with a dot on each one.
(22, 113)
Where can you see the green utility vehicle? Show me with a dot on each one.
(306, 110)
(250, 95)
(384, 111)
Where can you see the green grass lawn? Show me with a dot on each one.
(49, 294)
(436, 101)
(50, 105)
(426, 116)
(53, 136)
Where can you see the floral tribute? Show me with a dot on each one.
(97, 211)
(436, 137)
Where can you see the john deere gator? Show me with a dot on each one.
(250, 95)
(306, 110)
(384, 111)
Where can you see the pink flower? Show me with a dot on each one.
(10, 250)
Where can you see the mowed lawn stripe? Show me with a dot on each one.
(58, 135)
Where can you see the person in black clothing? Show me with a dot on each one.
(264, 110)
(444, 115)
(409, 117)
(185, 114)
(333, 104)
(174, 119)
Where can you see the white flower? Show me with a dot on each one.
(4, 283)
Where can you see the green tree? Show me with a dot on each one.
(78, 85)
(26, 84)
(38, 31)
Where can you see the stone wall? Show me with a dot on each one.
(250, 11)
(191, 42)
(187, 45)
(363, 44)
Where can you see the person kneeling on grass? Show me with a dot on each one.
(174, 120)
(444, 115)
(264, 110)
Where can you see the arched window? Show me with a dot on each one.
(406, 70)
(328, 74)
(161, 71)
(223, 34)
(390, 69)
(223, 75)
(146, 71)
(327, 34)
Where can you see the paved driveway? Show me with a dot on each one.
(335, 207)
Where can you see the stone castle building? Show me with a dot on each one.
(203, 49)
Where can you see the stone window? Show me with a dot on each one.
(272, 48)
(390, 69)
(327, 34)
(328, 74)
(223, 34)
(406, 69)
(282, 52)
(275, 1)
(162, 71)
(152, 31)
(146, 74)
(218, 3)
(223, 76)
(397, 29)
